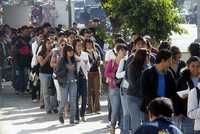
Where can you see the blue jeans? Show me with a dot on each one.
(137, 116)
(21, 79)
(69, 90)
(126, 114)
(116, 115)
(81, 92)
(50, 102)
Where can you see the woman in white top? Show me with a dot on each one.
(83, 67)
(193, 108)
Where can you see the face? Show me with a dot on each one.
(122, 53)
(79, 47)
(177, 58)
(140, 44)
(89, 45)
(48, 45)
(194, 68)
(86, 36)
(70, 53)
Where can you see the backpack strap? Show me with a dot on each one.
(114, 52)
(198, 94)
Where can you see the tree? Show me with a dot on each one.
(157, 18)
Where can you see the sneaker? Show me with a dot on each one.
(49, 112)
(76, 122)
(97, 112)
(34, 100)
(16, 92)
(55, 111)
(83, 119)
(42, 107)
(61, 119)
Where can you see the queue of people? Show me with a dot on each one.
(63, 69)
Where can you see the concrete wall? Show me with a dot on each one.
(16, 16)
(62, 17)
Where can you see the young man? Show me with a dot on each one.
(159, 110)
(158, 81)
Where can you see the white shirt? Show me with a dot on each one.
(84, 66)
(34, 48)
(193, 108)
(110, 55)
(121, 73)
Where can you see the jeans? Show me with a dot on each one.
(81, 92)
(116, 115)
(58, 93)
(126, 114)
(137, 116)
(21, 79)
(185, 124)
(69, 90)
(49, 101)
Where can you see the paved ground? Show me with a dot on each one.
(18, 115)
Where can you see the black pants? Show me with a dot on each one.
(35, 89)
(81, 92)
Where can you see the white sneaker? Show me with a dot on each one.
(34, 100)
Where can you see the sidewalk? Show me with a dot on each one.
(18, 115)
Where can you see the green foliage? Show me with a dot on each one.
(157, 18)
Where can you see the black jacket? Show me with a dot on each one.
(183, 83)
(149, 85)
(176, 74)
(61, 72)
(134, 78)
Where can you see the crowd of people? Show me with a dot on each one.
(63, 69)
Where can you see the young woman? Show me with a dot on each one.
(45, 75)
(176, 64)
(114, 90)
(56, 57)
(66, 73)
(135, 96)
(93, 77)
(188, 80)
(83, 67)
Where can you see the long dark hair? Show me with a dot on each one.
(66, 49)
(44, 49)
(74, 43)
(88, 41)
(139, 59)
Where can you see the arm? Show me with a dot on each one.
(54, 61)
(120, 72)
(42, 61)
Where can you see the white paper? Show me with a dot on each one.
(183, 93)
